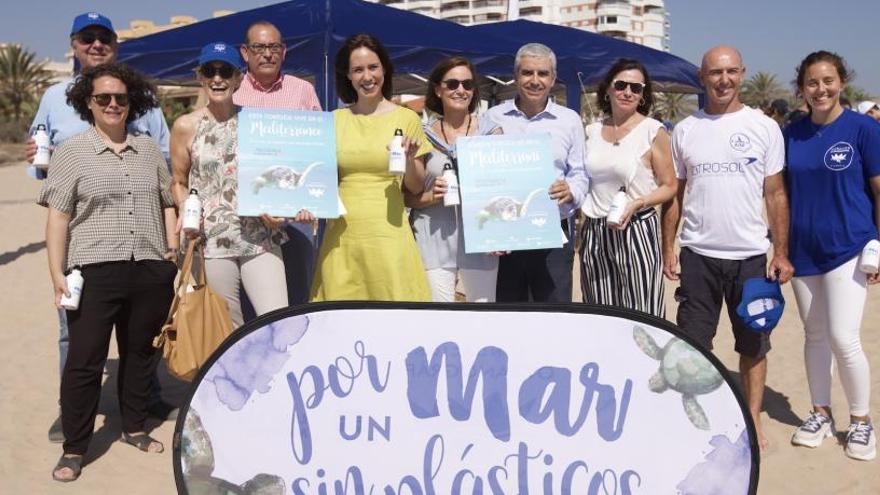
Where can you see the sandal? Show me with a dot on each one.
(143, 442)
(73, 463)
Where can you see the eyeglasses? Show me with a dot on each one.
(89, 37)
(103, 99)
(208, 71)
(635, 87)
(452, 84)
(262, 47)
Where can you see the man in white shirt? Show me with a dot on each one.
(729, 160)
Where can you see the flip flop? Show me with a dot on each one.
(142, 441)
(73, 463)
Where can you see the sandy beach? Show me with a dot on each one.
(29, 363)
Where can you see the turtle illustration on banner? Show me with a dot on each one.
(506, 208)
(682, 369)
(281, 177)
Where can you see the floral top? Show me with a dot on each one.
(214, 174)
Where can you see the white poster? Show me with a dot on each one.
(425, 400)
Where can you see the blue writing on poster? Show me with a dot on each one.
(506, 205)
(286, 163)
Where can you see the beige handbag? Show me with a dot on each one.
(198, 322)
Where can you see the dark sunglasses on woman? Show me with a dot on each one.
(89, 37)
(635, 87)
(208, 71)
(452, 84)
(103, 99)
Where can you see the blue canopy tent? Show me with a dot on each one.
(314, 30)
(590, 55)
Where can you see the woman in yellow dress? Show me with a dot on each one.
(370, 253)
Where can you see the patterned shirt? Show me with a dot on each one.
(115, 200)
(214, 174)
(286, 92)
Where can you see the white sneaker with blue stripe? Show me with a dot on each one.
(816, 428)
(861, 443)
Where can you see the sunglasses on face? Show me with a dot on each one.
(635, 87)
(103, 99)
(89, 37)
(226, 71)
(452, 84)
(263, 47)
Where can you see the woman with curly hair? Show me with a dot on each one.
(111, 215)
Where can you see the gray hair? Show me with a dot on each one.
(535, 50)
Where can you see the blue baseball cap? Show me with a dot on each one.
(221, 52)
(83, 21)
(762, 304)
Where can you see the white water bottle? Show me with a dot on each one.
(75, 287)
(870, 260)
(451, 198)
(396, 154)
(41, 139)
(618, 206)
(192, 213)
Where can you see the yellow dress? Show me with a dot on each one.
(370, 253)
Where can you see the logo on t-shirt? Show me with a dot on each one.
(740, 142)
(735, 167)
(839, 156)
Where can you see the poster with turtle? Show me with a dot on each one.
(344, 398)
(505, 202)
(286, 163)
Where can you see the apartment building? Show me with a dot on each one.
(641, 21)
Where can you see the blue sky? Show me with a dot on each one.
(773, 35)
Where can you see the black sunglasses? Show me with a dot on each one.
(452, 84)
(635, 87)
(208, 71)
(89, 37)
(103, 99)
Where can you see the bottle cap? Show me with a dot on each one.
(193, 191)
(447, 166)
(41, 127)
(622, 189)
(398, 132)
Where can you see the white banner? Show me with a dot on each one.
(427, 399)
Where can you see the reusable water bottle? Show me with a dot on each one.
(192, 213)
(74, 286)
(396, 155)
(870, 259)
(41, 138)
(618, 206)
(451, 198)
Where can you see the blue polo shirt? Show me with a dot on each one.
(832, 206)
(62, 122)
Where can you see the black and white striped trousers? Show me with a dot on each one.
(623, 268)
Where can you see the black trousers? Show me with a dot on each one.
(537, 275)
(133, 296)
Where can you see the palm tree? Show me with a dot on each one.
(761, 89)
(21, 79)
(674, 106)
(855, 94)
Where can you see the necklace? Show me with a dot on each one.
(616, 141)
(466, 132)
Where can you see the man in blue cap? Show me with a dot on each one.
(93, 42)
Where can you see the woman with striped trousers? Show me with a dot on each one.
(621, 263)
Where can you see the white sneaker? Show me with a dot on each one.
(816, 428)
(861, 443)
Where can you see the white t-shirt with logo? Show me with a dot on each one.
(724, 159)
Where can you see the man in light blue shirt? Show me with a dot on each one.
(61, 121)
(543, 275)
(93, 42)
